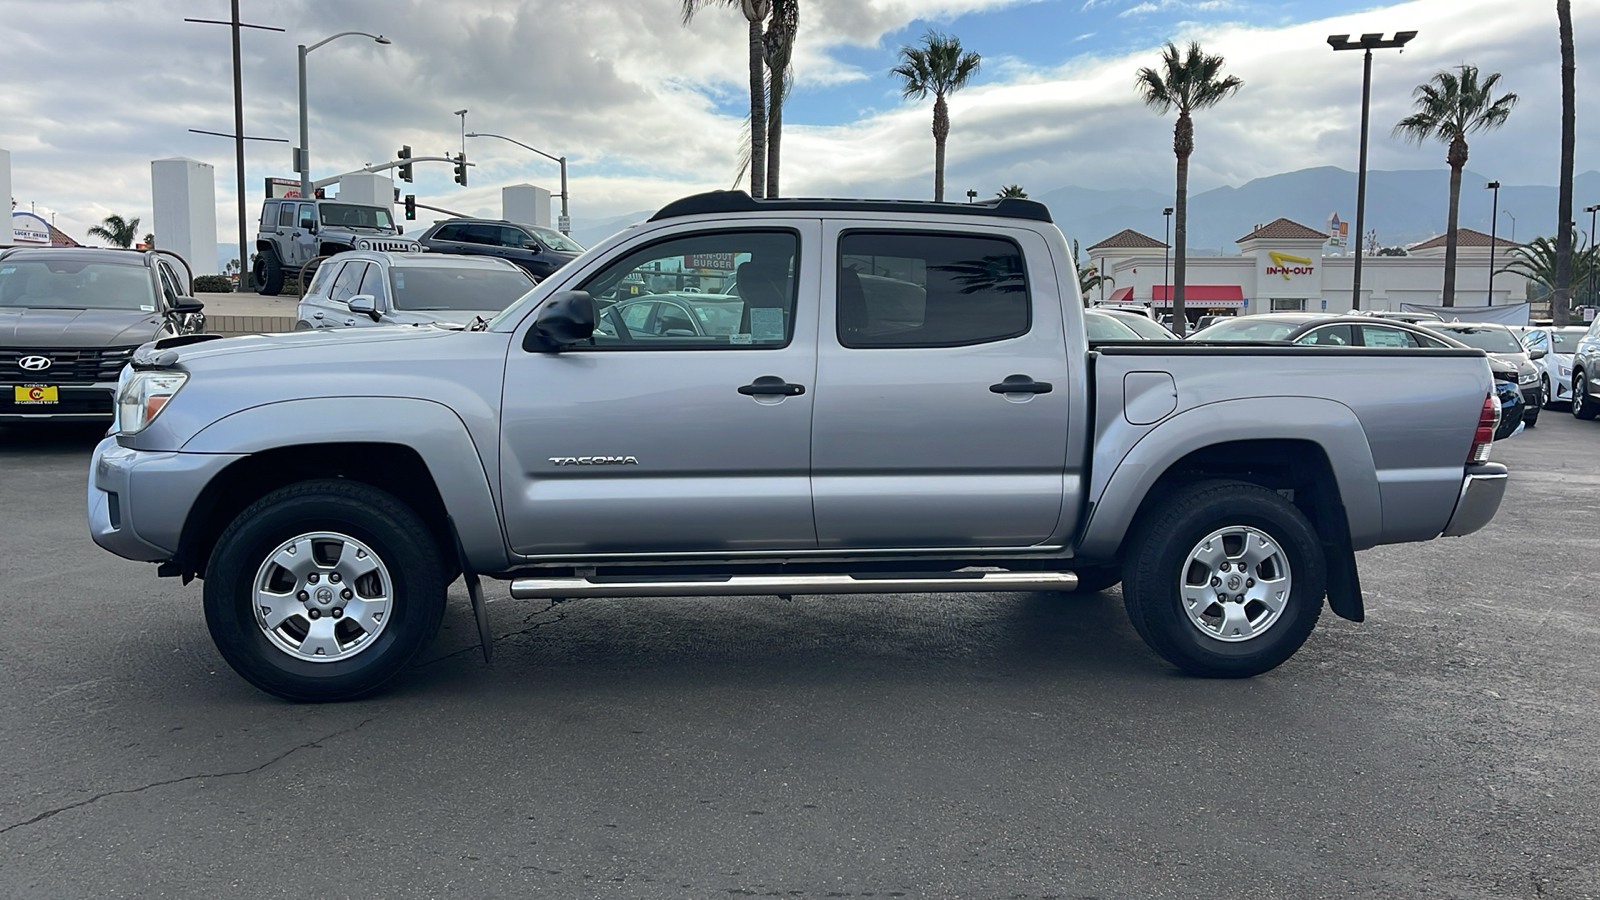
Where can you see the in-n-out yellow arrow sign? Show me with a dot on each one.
(1278, 260)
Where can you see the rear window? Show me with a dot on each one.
(930, 289)
(269, 215)
(76, 284)
(451, 287)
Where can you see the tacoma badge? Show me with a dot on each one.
(594, 460)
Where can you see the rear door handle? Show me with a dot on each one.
(772, 385)
(1021, 384)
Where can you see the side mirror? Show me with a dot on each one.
(365, 303)
(1537, 354)
(565, 319)
(531, 245)
(183, 306)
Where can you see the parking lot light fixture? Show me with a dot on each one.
(1367, 43)
(1593, 263)
(1494, 219)
(303, 156)
(566, 216)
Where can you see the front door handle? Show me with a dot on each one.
(772, 385)
(1021, 384)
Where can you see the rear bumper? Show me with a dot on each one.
(1481, 491)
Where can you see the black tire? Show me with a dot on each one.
(1155, 569)
(1583, 406)
(1546, 392)
(1531, 419)
(1094, 579)
(397, 537)
(267, 274)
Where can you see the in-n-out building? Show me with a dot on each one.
(1282, 266)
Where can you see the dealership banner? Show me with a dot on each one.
(1506, 314)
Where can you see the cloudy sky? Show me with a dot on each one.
(647, 109)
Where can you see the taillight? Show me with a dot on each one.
(1483, 438)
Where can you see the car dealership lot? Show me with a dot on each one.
(1018, 745)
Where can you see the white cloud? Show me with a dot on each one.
(647, 110)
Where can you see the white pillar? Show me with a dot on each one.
(184, 200)
(525, 204)
(6, 236)
(369, 188)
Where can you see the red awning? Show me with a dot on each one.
(1216, 294)
(1120, 295)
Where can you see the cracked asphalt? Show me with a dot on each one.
(1004, 745)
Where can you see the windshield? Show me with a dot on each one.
(554, 239)
(1247, 328)
(1566, 341)
(1102, 327)
(346, 215)
(1489, 338)
(76, 284)
(439, 287)
(1146, 327)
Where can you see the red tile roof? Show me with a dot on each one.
(1284, 229)
(1465, 237)
(1128, 239)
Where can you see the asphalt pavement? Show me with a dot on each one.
(984, 746)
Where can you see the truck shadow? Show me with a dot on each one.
(50, 438)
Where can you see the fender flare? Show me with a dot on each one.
(431, 429)
(1329, 424)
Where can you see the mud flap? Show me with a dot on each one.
(480, 610)
(1344, 581)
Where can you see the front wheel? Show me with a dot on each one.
(1583, 406)
(1224, 579)
(324, 590)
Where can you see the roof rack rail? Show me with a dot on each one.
(739, 201)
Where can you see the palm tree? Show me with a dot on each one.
(778, 44)
(1539, 261)
(117, 231)
(755, 13)
(149, 240)
(1561, 305)
(938, 67)
(1452, 105)
(1012, 190)
(1188, 80)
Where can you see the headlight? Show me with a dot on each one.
(363, 245)
(141, 396)
(1564, 370)
(1529, 377)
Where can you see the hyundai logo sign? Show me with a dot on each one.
(34, 363)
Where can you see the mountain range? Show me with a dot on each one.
(1403, 207)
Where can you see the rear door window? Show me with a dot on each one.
(930, 289)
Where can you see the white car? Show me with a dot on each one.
(1555, 369)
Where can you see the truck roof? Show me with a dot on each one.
(739, 202)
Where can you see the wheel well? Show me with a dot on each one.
(331, 249)
(394, 468)
(264, 246)
(1296, 468)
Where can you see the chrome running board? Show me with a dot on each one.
(741, 585)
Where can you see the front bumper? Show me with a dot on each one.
(74, 402)
(1532, 400)
(139, 500)
(1481, 491)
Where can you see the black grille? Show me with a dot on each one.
(67, 366)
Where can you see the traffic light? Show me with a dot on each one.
(411, 207)
(405, 169)
(461, 169)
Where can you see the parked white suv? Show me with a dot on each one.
(364, 289)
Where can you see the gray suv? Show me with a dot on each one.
(538, 250)
(70, 319)
(295, 232)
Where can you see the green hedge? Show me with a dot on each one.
(213, 284)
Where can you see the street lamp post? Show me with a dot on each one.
(1593, 263)
(1507, 212)
(1166, 251)
(566, 217)
(1494, 221)
(303, 152)
(1369, 43)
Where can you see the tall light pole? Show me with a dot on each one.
(1369, 43)
(1166, 251)
(303, 152)
(566, 218)
(1494, 219)
(1595, 262)
(1507, 212)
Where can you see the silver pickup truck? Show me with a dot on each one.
(878, 397)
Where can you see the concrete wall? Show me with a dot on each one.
(184, 200)
(6, 238)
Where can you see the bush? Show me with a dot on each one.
(213, 284)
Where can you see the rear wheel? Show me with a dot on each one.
(1583, 406)
(1225, 579)
(267, 275)
(324, 590)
